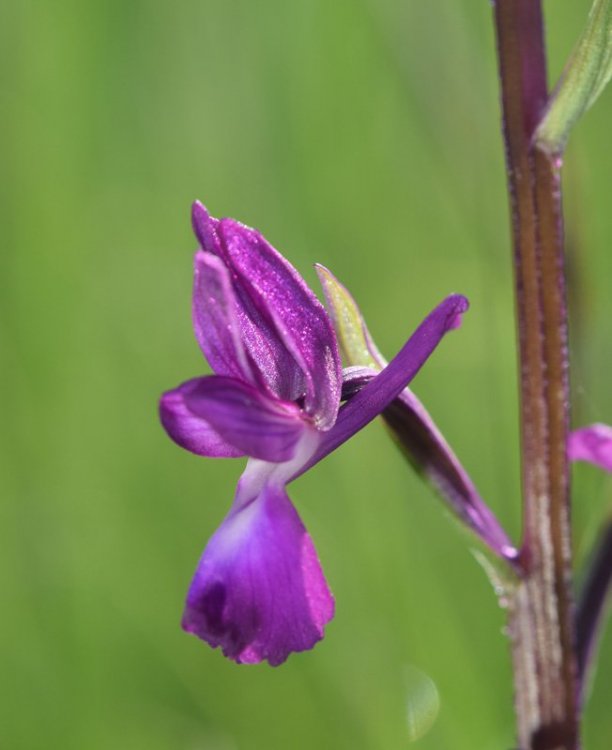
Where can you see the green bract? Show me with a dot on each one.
(585, 76)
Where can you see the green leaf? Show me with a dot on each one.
(585, 76)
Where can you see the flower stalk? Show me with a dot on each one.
(541, 607)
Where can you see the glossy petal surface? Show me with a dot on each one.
(215, 318)
(284, 327)
(189, 430)
(259, 592)
(246, 418)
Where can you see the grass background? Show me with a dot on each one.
(363, 134)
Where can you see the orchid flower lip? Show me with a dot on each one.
(259, 591)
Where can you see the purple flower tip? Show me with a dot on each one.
(204, 227)
(456, 321)
(259, 592)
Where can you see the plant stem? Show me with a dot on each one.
(541, 609)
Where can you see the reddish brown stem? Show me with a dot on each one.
(541, 616)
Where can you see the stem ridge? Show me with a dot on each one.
(541, 610)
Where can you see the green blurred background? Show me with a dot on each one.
(363, 134)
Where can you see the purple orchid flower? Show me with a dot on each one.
(259, 591)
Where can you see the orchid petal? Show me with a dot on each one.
(276, 367)
(214, 317)
(256, 424)
(374, 398)
(284, 327)
(592, 444)
(259, 592)
(298, 316)
(190, 431)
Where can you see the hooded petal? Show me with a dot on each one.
(254, 423)
(300, 319)
(284, 327)
(275, 366)
(259, 591)
(215, 318)
(592, 444)
(189, 430)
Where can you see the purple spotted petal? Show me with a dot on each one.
(259, 592)
(215, 319)
(284, 327)
(246, 418)
(592, 444)
(190, 431)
